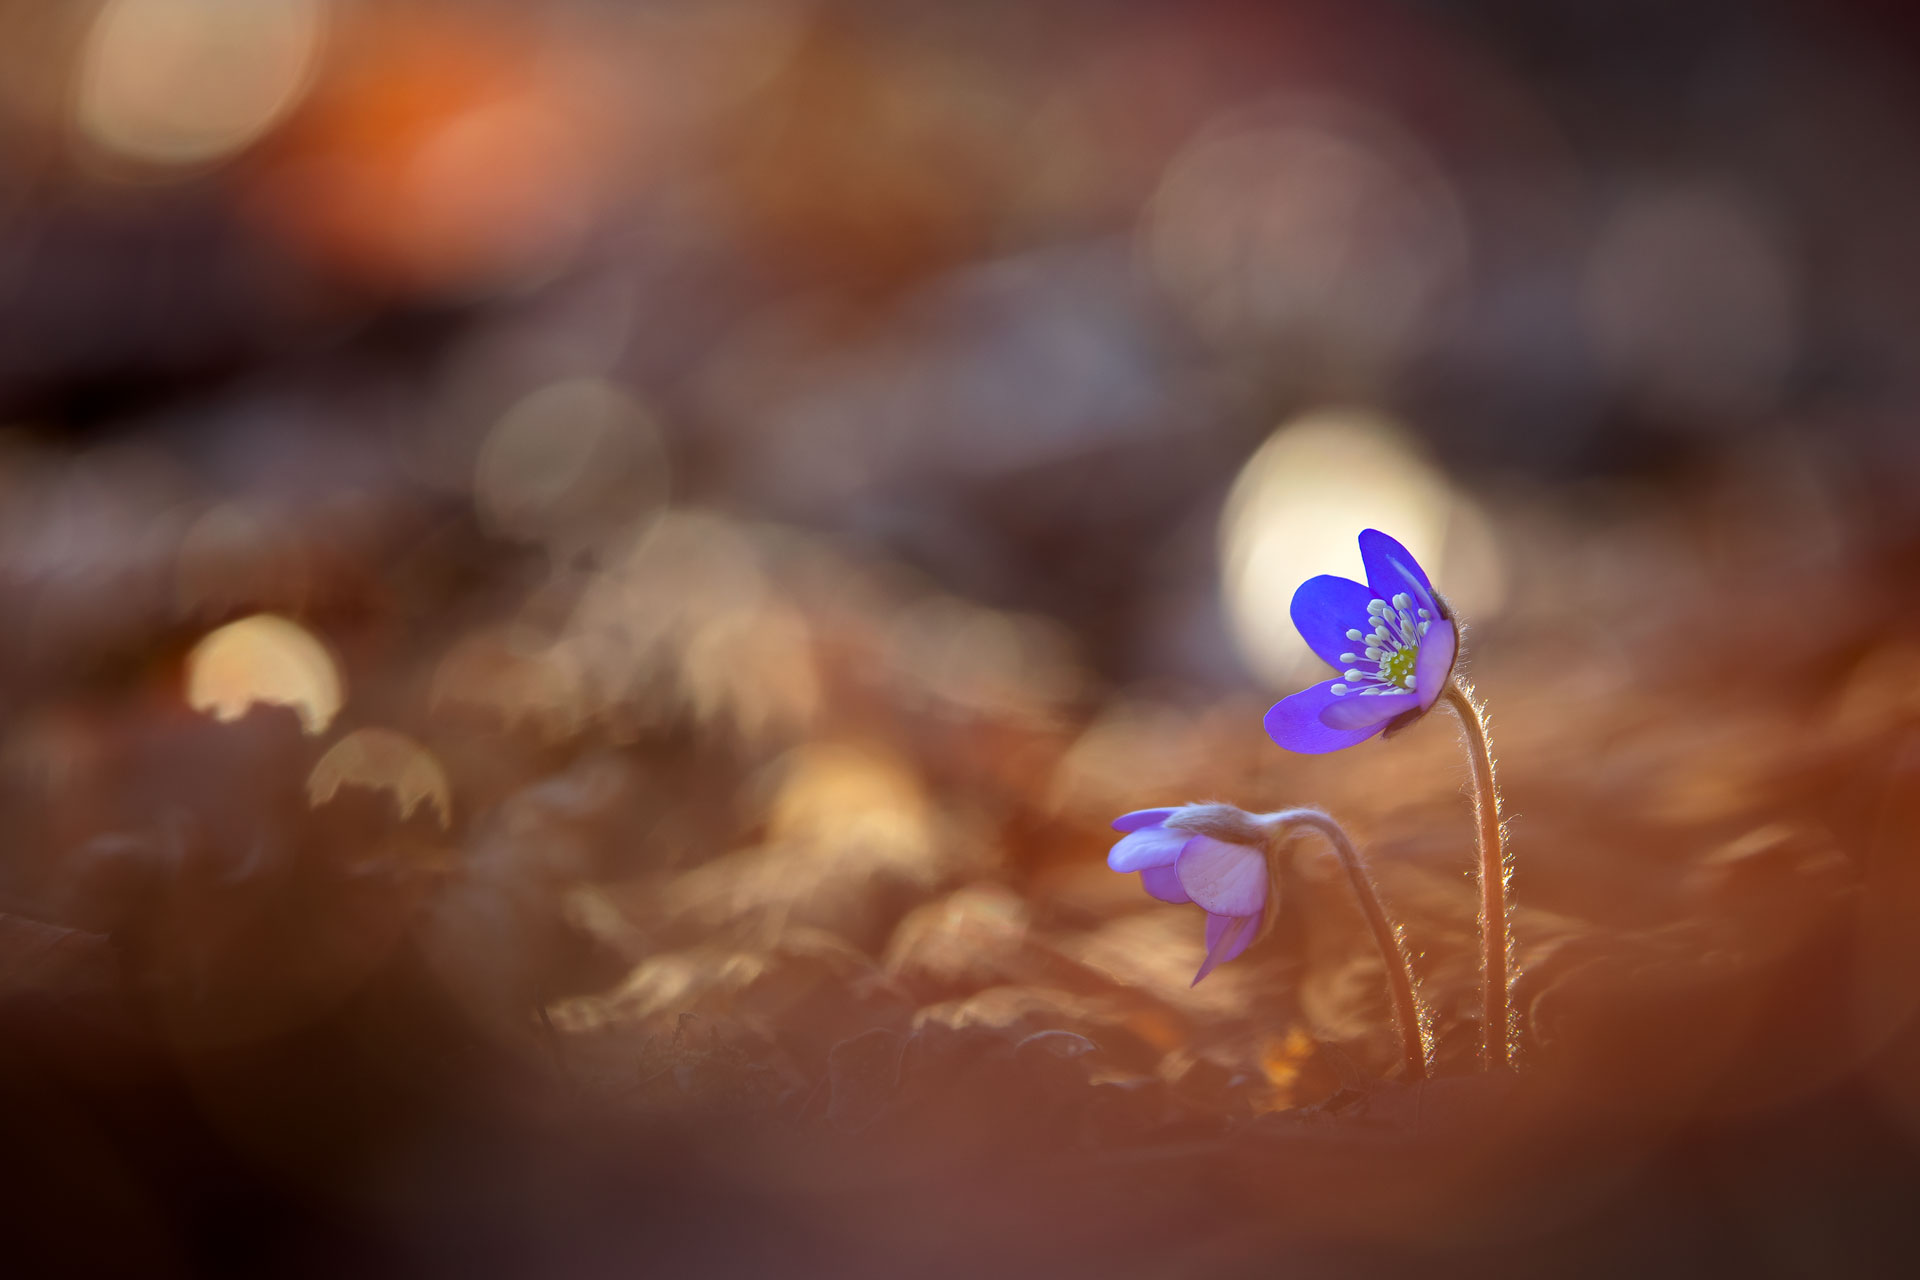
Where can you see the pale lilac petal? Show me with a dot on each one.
(1228, 879)
(1141, 818)
(1364, 711)
(1380, 554)
(1227, 937)
(1294, 722)
(1324, 609)
(1435, 662)
(1154, 847)
(1164, 884)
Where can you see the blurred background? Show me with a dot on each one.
(581, 580)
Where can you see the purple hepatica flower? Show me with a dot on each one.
(1393, 641)
(1227, 878)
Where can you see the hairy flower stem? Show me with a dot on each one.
(1406, 1009)
(1495, 938)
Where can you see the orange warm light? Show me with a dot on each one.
(438, 153)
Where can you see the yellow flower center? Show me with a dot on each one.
(1386, 659)
(1397, 667)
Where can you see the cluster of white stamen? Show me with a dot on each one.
(1386, 656)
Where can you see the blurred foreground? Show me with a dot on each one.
(582, 582)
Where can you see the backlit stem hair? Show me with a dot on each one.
(1496, 942)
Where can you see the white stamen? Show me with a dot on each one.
(1390, 646)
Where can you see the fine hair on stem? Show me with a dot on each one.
(1496, 941)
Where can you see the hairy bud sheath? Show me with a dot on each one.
(1222, 822)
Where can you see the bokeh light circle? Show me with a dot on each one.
(571, 465)
(265, 659)
(383, 760)
(191, 82)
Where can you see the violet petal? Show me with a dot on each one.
(1140, 819)
(1366, 711)
(1227, 937)
(1228, 879)
(1154, 847)
(1380, 554)
(1324, 609)
(1164, 884)
(1294, 722)
(1435, 662)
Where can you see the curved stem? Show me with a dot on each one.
(1406, 1008)
(1495, 936)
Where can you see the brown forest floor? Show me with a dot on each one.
(786, 946)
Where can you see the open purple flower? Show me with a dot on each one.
(1228, 879)
(1392, 640)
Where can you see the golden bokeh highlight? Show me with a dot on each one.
(265, 659)
(383, 760)
(192, 82)
(837, 798)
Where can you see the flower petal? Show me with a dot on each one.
(1434, 664)
(1355, 711)
(1324, 609)
(1294, 722)
(1141, 818)
(1227, 937)
(1154, 847)
(1229, 879)
(1380, 554)
(1164, 884)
